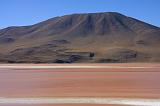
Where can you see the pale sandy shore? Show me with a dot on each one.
(59, 105)
(82, 66)
(84, 80)
(75, 100)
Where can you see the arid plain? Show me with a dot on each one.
(131, 81)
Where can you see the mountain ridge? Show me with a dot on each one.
(110, 36)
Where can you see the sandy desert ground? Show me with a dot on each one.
(63, 105)
(109, 81)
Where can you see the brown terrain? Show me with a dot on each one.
(121, 81)
(76, 82)
(82, 38)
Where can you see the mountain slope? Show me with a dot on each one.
(92, 37)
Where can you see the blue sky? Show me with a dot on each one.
(28, 12)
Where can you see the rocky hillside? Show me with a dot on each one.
(83, 38)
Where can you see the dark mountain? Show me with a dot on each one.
(92, 37)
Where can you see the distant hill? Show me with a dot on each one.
(82, 38)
